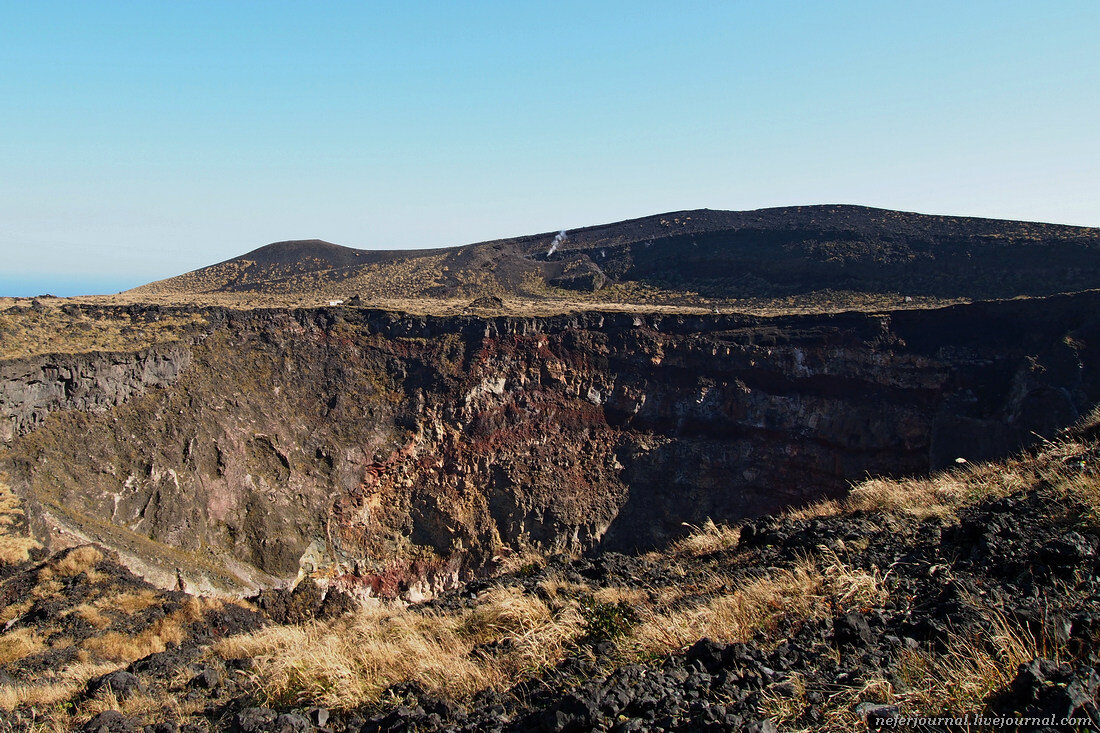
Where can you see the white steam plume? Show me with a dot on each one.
(562, 236)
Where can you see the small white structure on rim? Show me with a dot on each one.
(335, 302)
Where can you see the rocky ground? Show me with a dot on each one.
(975, 593)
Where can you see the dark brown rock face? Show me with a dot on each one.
(399, 454)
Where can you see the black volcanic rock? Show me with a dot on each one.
(111, 721)
(936, 576)
(580, 273)
(487, 302)
(123, 684)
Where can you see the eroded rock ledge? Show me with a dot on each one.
(32, 388)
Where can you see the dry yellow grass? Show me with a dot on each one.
(406, 291)
(634, 597)
(826, 508)
(92, 615)
(50, 691)
(15, 543)
(18, 644)
(78, 561)
(52, 688)
(39, 695)
(129, 602)
(340, 664)
(47, 584)
(510, 635)
(960, 678)
(158, 704)
(520, 560)
(15, 549)
(52, 330)
(555, 585)
(812, 587)
(123, 647)
(708, 538)
(713, 582)
(59, 716)
(15, 610)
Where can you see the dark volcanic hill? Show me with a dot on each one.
(767, 253)
(303, 253)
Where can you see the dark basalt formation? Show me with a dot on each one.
(1038, 573)
(403, 454)
(96, 599)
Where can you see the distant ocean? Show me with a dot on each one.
(27, 286)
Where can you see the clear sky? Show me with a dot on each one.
(141, 140)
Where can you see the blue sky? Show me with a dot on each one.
(141, 140)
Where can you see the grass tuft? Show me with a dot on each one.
(707, 539)
(15, 645)
(77, 561)
(15, 543)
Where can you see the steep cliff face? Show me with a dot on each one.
(32, 388)
(401, 454)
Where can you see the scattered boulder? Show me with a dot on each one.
(318, 716)
(207, 679)
(163, 665)
(337, 603)
(291, 607)
(486, 302)
(1044, 688)
(852, 630)
(291, 723)
(123, 684)
(1071, 548)
(168, 726)
(255, 720)
(112, 721)
(711, 654)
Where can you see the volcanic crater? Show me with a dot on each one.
(693, 369)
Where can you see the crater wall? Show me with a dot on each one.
(401, 454)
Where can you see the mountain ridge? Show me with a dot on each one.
(686, 257)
